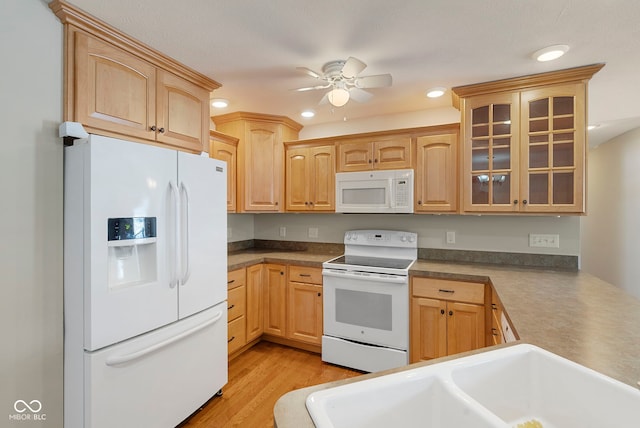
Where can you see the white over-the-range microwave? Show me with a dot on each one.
(384, 191)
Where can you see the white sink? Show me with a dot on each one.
(500, 388)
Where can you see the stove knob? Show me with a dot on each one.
(403, 238)
(412, 238)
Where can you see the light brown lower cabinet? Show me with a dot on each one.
(275, 299)
(447, 317)
(236, 310)
(305, 304)
(255, 302)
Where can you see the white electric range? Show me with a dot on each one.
(366, 300)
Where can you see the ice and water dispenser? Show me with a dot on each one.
(132, 251)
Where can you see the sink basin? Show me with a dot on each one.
(517, 386)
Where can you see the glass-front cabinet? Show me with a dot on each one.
(524, 143)
(492, 145)
(553, 145)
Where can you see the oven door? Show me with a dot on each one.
(366, 307)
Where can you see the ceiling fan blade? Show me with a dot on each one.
(312, 88)
(310, 72)
(360, 95)
(352, 67)
(376, 81)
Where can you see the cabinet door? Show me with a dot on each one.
(228, 153)
(114, 90)
(263, 169)
(255, 302)
(305, 313)
(275, 315)
(490, 142)
(323, 178)
(465, 327)
(553, 149)
(298, 179)
(357, 156)
(392, 154)
(428, 329)
(436, 173)
(182, 114)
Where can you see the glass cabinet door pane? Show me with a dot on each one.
(480, 115)
(563, 105)
(539, 156)
(563, 155)
(539, 189)
(563, 188)
(539, 108)
(501, 187)
(480, 189)
(501, 113)
(501, 158)
(480, 160)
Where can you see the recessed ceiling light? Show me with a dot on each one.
(550, 53)
(220, 103)
(436, 92)
(308, 113)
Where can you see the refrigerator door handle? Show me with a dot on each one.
(172, 233)
(184, 234)
(122, 359)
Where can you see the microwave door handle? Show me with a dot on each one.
(392, 193)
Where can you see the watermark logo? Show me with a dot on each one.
(27, 411)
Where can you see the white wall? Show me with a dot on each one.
(484, 233)
(31, 214)
(611, 230)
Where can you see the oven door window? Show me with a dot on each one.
(364, 309)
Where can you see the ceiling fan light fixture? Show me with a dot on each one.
(436, 92)
(308, 114)
(338, 97)
(219, 103)
(550, 53)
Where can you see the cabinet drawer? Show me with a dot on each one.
(306, 274)
(236, 301)
(236, 334)
(236, 278)
(442, 289)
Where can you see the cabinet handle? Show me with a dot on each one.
(231, 307)
(276, 203)
(281, 273)
(319, 294)
(369, 160)
(161, 130)
(306, 275)
(524, 202)
(494, 332)
(515, 202)
(311, 203)
(450, 313)
(419, 202)
(306, 203)
(442, 290)
(442, 311)
(375, 161)
(153, 128)
(232, 337)
(494, 306)
(231, 281)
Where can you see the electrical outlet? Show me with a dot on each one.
(547, 241)
(451, 237)
(283, 231)
(313, 232)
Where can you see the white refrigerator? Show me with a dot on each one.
(145, 283)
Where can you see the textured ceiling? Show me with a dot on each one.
(253, 48)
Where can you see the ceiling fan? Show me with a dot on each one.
(343, 82)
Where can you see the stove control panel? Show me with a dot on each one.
(381, 238)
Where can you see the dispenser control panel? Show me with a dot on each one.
(131, 228)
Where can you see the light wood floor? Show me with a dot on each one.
(257, 378)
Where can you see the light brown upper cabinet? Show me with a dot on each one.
(120, 87)
(525, 143)
(310, 178)
(436, 175)
(260, 175)
(367, 154)
(224, 148)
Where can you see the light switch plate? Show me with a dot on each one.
(543, 240)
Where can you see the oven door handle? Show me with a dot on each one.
(365, 276)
